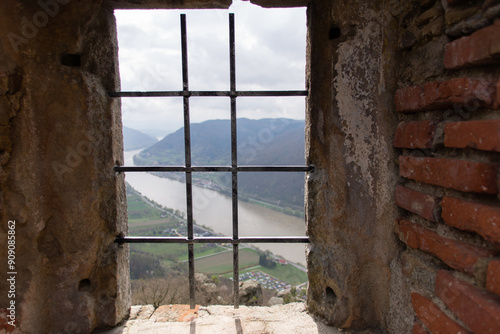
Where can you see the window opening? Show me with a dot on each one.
(188, 169)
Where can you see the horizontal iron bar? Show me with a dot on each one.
(288, 168)
(257, 93)
(211, 240)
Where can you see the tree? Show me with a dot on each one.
(266, 261)
(154, 294)
(143, 265)
(160, 291)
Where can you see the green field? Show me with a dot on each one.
(152, 228)
(223, 262)
(177, 252)
(199, 251)
(138, 210)
(286, 273)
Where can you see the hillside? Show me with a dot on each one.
(135, 140)
(260, 142)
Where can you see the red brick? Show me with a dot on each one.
(419, 329)
(497, 87)
(424, 205)
(482, 47)
(433, 318)
(482, 135)
(414, 134)
(474, 217)
(468, 90)
(441, 95)
(408, 98)
(498, 183)
(460, 175)
(493, 277)
(477, 308)
(456, 254)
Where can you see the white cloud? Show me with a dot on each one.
(270, 55)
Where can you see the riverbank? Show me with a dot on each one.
(214, 211)
(212, 184)
(211, 260)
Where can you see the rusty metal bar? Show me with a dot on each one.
(234, 159)
(239, 169)
(187, 154)
(210, 240)
(232, 93)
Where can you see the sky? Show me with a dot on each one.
(270, 55)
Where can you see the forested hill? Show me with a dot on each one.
(134, 139)
(277, 141)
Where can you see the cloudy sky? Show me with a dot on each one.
(270, 55)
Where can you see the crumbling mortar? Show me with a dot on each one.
(446, 231)
(478, 21)
(442, 306)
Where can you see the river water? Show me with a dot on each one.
(213, 209)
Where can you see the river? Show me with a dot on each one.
(213, 209)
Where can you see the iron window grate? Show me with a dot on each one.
(188, 169)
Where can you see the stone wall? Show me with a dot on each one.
(408, 88)
(60, 138)
(349, 126)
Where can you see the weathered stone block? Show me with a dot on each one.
(250, 293)
(348, 206)
(407, 40)
(455, 15)
(58, 182)
(423, 61)
(433, 28)
(429, 15)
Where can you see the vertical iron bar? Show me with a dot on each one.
(232, 54)
(187, 153)
(185, 85)
(234, 160)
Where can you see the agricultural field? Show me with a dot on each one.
(139, 211)
(286, 273)
(222, 263)
(158, 260)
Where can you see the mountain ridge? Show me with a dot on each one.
(269, 141)
(135, 139)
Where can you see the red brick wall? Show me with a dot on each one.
(448, 141)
